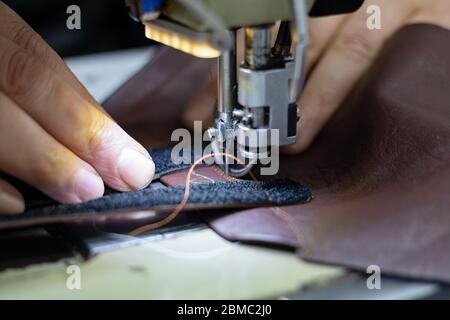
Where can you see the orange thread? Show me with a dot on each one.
(184, 201)
(277, 210)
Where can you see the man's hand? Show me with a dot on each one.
(53, 134)
(341, 49)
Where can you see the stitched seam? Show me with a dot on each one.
(277, 210)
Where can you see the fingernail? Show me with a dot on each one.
(135, 169)
(11, 203)
(88, 185)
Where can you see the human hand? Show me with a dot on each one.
(341, 49)
(53, 134)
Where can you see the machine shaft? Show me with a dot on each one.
(227, 83)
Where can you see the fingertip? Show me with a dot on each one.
(11, 200)
(294, 149)
(89, 185)
(122, 162)
(305, 137)
(290, 150)
(136, 168)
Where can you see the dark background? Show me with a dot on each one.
(105, 25)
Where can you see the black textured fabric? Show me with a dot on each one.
(163, 162)
(218, 194)
(215, 195)
(163, 165)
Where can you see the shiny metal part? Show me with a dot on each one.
(264, 98)
(206, 44)
(222, 37)
(301, 39)
(259, 98)
(226, 82)
(257, 46)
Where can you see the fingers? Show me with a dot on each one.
(321, 30)
(29, 153)
(202, 106)
(11, 201)
(72, 120)
(346, 59)
(19, 32)
(438, 13)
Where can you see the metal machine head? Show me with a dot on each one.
(256, 108)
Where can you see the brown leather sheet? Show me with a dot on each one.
(379, 172)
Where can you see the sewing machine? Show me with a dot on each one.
(186, 260)
(257, 101)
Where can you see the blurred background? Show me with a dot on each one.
(105, 25)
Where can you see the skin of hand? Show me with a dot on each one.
(341, 49)
(53, 134)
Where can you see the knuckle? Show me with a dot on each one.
(99, 134)
(32, 42)
(21, 72)
(4, 9)
(357, 45)
(50, 170)
(27, 39)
